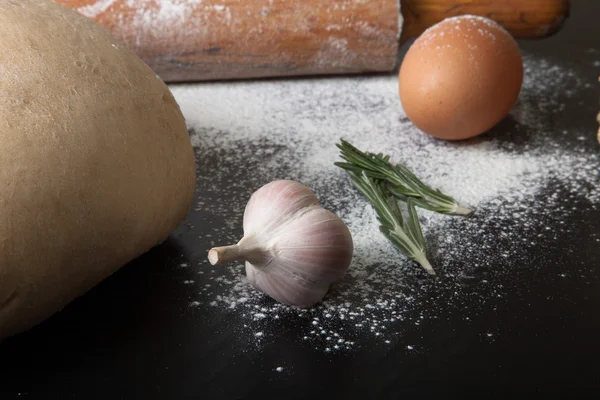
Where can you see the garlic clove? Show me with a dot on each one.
(316, 245)
(286, 288)
(275, 201)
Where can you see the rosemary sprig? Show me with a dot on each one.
(401, 182)
(404, 233)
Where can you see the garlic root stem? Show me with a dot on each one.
(224, 254)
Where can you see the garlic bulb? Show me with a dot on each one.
(294, 249)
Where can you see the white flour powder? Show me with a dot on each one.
(519, 177)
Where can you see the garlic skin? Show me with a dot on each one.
(294, 249)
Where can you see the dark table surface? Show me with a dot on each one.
(135, 335)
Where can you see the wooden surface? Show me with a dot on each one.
(524, 19)
(187, 40)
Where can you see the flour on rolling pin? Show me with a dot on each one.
(196, 40)
(222, 39)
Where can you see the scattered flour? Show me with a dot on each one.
(150, 21)
(95, 9)
(523, 177)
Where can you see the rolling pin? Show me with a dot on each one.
(199, 40)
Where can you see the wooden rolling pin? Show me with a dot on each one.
(196, 40)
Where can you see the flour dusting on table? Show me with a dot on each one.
(519, 177)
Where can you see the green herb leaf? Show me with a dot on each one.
(401, 182)
(404, 233)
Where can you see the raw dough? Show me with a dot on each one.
(96, 164)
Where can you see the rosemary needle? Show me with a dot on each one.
(404, 233)
(401, 182)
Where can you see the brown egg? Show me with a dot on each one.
(460, 77)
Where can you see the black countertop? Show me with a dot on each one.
(136, 336)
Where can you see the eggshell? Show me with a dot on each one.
(460, 77)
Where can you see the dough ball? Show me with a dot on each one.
(96, 164)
